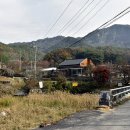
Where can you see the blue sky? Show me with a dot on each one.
(28, 20)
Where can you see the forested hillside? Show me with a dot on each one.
(116, 35)
(7, 53)
(106, 45)
(96, 54)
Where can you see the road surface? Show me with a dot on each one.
(116, 119)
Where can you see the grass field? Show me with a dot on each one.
(28, 112)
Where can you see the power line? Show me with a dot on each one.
(77, 14)
(92, 32)
(102, 26)
(116, 19)
(91, 17)
(66, 8)
(90, 10)
(113, 19)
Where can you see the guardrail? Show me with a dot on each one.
(118, 94)
(114, 96)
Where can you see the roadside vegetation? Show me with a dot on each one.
(29, 112)
(9, 85)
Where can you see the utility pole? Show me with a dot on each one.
(31, 65)
(30, 59)
(35, 63)
(20, 63)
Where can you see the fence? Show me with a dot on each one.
(114, 96)
(118, 94)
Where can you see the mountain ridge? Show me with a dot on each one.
(115, 35)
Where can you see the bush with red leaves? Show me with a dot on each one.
(101, 74)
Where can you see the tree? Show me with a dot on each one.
(95, 55)
(56, 57)
(101, 74)
(125, 71)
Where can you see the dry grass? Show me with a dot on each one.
(12, 85)
(28, 112)
(16, 82)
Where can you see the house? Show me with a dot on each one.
(47, 72)
(75, 67)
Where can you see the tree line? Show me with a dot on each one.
(97, 54)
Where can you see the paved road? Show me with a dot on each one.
(117, 119)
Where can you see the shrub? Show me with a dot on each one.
(49, 86)
(61, 82)
(32, 83)
(18, 82)
(68, 86)
(84, 87)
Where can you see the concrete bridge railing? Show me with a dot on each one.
(113, 96)
(118, 94)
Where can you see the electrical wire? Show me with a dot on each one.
(66, 8)
(91, 17)
(77, 14)
(116, 19)
(103, 25)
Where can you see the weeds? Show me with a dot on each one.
(29, 112)
(5, 103)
